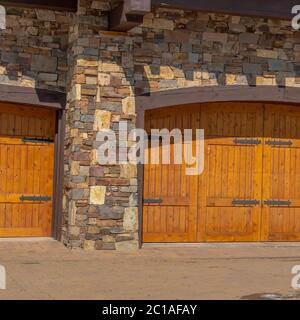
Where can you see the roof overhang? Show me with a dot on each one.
(61, 5)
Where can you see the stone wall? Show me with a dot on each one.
(172, 49)
(100, 204)
(33, 48)
(106, 70)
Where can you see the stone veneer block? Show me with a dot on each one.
(102, 120)
(215, 37)
(271, 54)
(43, 63)
(128, 105)
(97, 195)
(130, 219)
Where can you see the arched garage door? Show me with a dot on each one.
(26, 170)
(250, 187)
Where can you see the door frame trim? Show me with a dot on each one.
(54, 100)
(208, 94)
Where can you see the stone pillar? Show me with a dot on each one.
(100, 202)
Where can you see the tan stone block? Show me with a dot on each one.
(109, 67)
(230, 79)
(74, 230)
(97, 195)
(102, 120)
(98, 95)
(178, 73)
(290, 81)
(270, 54)
(80, 78)
(115, 118)
(74, 133)
(93, 229)
(91, 80)
(75, 168)
(103, 79)
(130, 222)
(163, 24)
(205, 75)
(147, 22)
(87, 63)
(108, 239)
(166, 73)
(72, 213)
(101, 5)
(265, 81)
(94, 156)
(89, 245)
(76, 92)
(128, 105)
(128, 171)
(131, 245)
(2, 70)
(28, 83)
(91, 72)
(92, 221)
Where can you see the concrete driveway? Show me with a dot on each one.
(47, 270)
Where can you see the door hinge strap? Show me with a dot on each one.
(33, 140)
(279, 143)
(247, 141)
(237, 202)
(152, 201)
(277, 203)
(35, 198)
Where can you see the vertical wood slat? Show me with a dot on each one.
(281, 173)
(233, 171)
(25, 169)
(171, 221)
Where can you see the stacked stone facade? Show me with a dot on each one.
(102, 73)
(33, 49)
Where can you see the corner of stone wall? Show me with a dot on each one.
(100, 201)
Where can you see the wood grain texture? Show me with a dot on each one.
(174, 220)
(26, 169)
(234, 170)
(281, 173)
(268, 8)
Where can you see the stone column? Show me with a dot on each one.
(100, 202)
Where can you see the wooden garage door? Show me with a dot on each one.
(26, 170)
(231, 185)
(281, 181)
(170, 196)
(250, 187)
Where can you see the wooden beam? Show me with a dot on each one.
(129, 14)
(61, 5)
(280, 9)
(32, 96)
(177, 97)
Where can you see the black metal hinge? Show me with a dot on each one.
(247, 141)
(35, 198)
(152, 201)
(277, 203)
(279, 143)
(237, 202)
